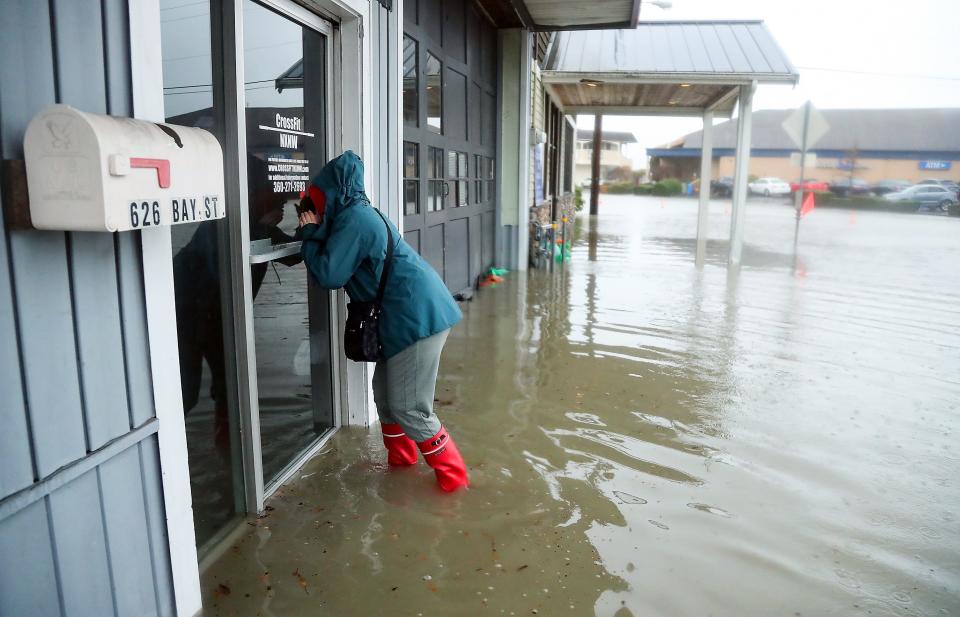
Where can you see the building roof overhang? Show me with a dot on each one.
(663, 68)
(551, 15)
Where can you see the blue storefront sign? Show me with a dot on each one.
(935, 165)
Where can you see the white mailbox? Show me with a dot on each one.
(90, 172)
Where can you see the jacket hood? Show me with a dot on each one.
(341, 180)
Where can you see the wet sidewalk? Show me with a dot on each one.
(647, 438)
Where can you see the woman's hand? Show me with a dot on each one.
(309, 218)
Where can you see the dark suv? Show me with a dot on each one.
(722, 187)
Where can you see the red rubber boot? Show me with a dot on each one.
(442, 454)
(401, 450)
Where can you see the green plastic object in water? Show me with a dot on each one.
(498, 271)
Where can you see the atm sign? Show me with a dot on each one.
(935, 165)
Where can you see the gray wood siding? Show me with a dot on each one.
(82, 524)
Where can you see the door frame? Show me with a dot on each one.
(255, 489)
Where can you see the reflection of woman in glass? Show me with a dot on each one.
(197, 290)
(345, 245)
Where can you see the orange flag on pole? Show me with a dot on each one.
(808, 204)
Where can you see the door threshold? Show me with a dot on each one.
(215, 547)
(297, 463)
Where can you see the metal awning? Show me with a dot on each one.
(671, 68)
(674, 68)
(547, 15)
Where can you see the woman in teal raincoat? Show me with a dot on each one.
(345, 245)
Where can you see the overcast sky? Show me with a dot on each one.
(880, 53)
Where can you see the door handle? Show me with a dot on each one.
(446, 188)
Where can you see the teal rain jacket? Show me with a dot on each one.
(348, 249)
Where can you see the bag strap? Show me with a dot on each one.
(386, 264)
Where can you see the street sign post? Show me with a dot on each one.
(805, 126)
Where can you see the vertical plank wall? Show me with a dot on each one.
(75, 538)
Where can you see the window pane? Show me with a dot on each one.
(451, 164)
(434, 162)
(411, 201)
(435, 193)
(434, 93)
(463, 196)
(411, 160)
(211, 422)
(411, 101)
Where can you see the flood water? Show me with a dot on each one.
(648, 438)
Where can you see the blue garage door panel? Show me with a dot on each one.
(413, 239)
(456, 240)
(432, 250)
(476, 255)
(487, 240)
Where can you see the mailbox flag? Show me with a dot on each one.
(808, 205)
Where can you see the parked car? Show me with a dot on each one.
(809, 184)
(769, 186)
(948, 184)
(890, 186)
(844, 187)
(722, 187)
(931, 195)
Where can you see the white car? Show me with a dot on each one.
(769, 186)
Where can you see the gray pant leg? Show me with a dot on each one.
(411, 384)
(380, 398)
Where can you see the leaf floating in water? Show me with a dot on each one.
(300, 580)
(710, 509)
(628, 498)
(523, 567)
(658, 524)
(221, 590)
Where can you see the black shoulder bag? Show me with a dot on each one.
(361, 338)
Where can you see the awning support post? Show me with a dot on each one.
(595, 165)
(706, 168)
(741, 170)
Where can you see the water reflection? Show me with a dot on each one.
(650, 438)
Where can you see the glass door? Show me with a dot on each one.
(285, 82)
(202, 286)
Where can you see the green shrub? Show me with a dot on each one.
(643, 189)
(619, 188)
(578, 198)
(667, 188)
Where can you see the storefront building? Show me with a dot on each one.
(908, 145)
(157, 385)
